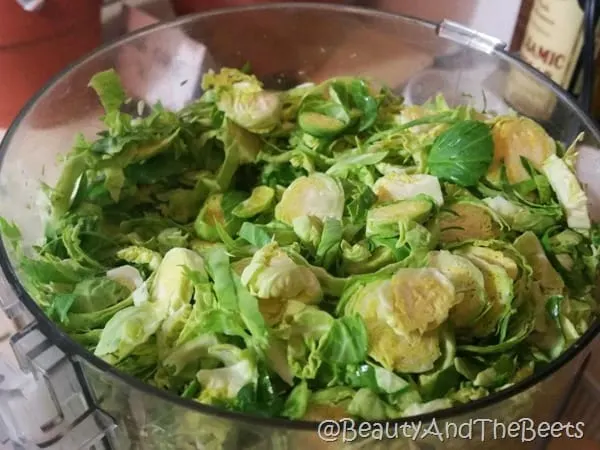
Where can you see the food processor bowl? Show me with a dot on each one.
(68, 398)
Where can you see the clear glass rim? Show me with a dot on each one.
(72, 348)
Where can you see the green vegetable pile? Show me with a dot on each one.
(324, 251)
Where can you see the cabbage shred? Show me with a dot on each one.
(324, 251)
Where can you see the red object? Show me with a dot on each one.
(34, 46)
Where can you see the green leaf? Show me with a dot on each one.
(226, 322)
(12, 234)
(109, 89)
(359, 199)
(60, 307)
(260, 400)
(346, 342)
(235, 248)
(234, 297)
(498, 373)
(369, 405)
(248, 307)
(96, 294)
(439, 384)
(54, 270)
(65, 189)
(519, 327)
(378, 379)
(468, 367)
(323, 119)
(240, 147)
(191, 390)
(220, 272)
(282, 174)
(89, 339)
(96, 319)
(218, 209)
(329, 245)
(365, 102)
(259, 201)
(255, 234)
(297, 402)
(463, 153)
(345, 163)
(541, 183)
(72, 240)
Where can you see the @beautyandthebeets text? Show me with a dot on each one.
(523, 430)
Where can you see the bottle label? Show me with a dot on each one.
(552, 43)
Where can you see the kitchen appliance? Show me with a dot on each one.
(55, 395)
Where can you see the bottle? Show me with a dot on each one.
(521, 25)
(576, 86)
(552, 43)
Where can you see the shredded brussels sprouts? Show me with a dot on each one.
(321, 252)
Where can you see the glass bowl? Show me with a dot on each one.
(285, 44)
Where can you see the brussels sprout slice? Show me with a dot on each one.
(255, 110)
(260, 200)
(366, 403)
(382, 221)
(469, 286)
(317, 195)
(217, 210)
(395, 349)
(496, 257)
(499, 290)
(420, 300)
(565, 241)
(189, 353)
(413, 353)
(319, 125)
(521, 218)
(171, 287)
(274, 278)
(517, 137)
(226, 382)
(381, 257)
(297, 402)
(329, 403)
(136, 254)
(570, 194)
(395, 186)
(547, 282)
(300, 332)
(543, 272)
(320, 252)
(466, 220)
(309, 230)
